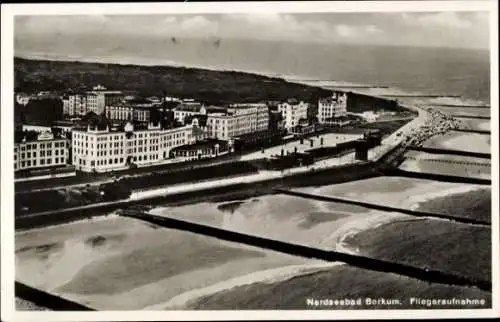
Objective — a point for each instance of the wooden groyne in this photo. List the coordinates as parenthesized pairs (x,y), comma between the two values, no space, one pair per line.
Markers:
(462,106)
(422,95)
(423,274)
(47,300)
(450,152)
(465,116)
(473,131)
(385,208)
(434,176)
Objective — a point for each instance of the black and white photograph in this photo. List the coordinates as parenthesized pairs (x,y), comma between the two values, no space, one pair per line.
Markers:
(258,160)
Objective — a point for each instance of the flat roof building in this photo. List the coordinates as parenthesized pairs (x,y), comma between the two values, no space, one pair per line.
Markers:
(46,151)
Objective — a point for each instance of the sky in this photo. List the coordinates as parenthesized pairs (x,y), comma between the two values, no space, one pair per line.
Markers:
(437,29)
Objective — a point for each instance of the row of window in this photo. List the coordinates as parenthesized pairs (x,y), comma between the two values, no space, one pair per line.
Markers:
(43,153)
(50,161)
(94,163)
(47,145)
(84,137)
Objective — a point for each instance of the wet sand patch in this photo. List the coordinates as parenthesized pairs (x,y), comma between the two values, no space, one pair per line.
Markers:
(315,218)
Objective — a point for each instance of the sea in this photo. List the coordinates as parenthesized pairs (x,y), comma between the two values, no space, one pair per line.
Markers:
(118,263)
(444,71)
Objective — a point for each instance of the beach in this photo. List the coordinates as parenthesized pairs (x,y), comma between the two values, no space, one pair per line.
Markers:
(453,165)
(472,142)
(116,263)
(96,261)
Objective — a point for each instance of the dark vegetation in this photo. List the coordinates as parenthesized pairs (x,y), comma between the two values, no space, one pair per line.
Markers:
(43,111)
(358,103)
(213,87)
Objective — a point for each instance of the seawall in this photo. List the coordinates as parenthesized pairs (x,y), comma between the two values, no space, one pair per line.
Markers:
(47,300)
(473,131)
(436,177)
(385,208)
(451,152)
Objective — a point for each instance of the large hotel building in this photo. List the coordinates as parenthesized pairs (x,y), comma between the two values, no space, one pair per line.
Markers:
(293,112)
(101,149)
(91,101)
(239,119)
(44,152)
(332,107)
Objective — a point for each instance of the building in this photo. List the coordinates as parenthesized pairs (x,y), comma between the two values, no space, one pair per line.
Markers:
(127,112)
(66,107)
(332,107)
(44,152)
(75,104)
(199,123)
(239,119)
(172,99)
(23,98)
(100,97)
(338,120)
(188,109)
(154,100)
(92,103)
(201,150)
(63,126)
(99,148)
(261,111)
(276,121)
(292,112)
(369,116)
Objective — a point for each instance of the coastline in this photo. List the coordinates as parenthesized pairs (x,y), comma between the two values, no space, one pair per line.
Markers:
(268,276)
(351,229)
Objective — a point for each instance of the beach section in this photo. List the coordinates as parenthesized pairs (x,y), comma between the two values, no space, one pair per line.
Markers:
(95,262)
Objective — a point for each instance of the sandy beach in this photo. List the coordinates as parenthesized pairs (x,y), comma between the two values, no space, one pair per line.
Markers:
(472,142)
(447,164)
(118,251)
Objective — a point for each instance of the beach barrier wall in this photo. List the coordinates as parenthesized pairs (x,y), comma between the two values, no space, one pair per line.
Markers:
(384,208)
(47,300)
(465,116)
(487,166)
(463,106)
(424,274)
(451,152)
(472,131)
(434,176)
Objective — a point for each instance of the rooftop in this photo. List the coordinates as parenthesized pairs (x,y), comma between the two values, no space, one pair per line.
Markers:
(209,143)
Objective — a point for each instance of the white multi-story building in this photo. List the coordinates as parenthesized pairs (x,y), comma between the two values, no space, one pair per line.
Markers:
(67,107)
(104,149)
(238,120)
(100,97)
(332,107)
(124,112)
(292,112)
(45,152)
(92,105)
(260,110)
(75,104)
